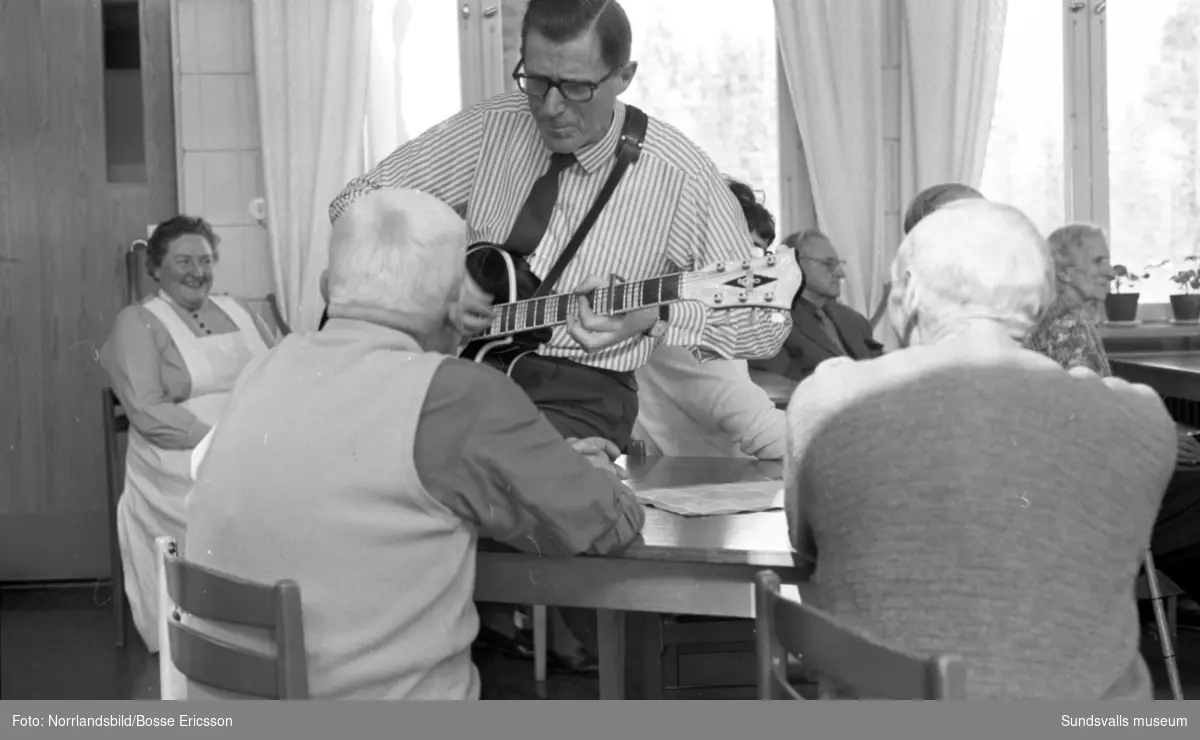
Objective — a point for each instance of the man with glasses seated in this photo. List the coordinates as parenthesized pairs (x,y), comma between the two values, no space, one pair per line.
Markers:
(822,327)
(525,167)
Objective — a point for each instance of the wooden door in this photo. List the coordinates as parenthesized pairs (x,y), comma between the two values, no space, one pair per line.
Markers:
(70,204)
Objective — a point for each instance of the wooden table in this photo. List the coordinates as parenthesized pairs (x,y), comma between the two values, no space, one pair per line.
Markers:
(778,387)
(680,565)
(1172,374)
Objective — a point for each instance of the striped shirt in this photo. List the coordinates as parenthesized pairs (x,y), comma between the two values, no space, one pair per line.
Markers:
(671,211)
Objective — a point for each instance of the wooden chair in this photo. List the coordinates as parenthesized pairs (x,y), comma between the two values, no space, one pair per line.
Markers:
(136,277)
(835,652)
(187,588)
(277,315)
(115,423)
(1164,618)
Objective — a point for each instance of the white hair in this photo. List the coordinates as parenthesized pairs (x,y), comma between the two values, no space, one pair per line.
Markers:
(397,250)
(1065,242)
(974,259)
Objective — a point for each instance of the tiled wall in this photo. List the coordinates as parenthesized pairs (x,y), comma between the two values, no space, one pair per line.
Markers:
(220,157)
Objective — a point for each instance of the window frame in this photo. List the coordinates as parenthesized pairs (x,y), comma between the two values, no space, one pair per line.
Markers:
(1085,120)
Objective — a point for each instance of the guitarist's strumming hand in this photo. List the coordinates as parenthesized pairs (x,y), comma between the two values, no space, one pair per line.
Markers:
(595,332)
(472,313)
(600,452)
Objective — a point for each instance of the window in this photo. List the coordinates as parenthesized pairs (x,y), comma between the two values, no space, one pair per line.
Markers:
(1025,166)
(1153,88)
(430,42)
(1119,143)
(713,80)
(408,36)
(124,126)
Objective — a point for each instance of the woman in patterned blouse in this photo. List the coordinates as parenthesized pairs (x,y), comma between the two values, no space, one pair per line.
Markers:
(1067,333)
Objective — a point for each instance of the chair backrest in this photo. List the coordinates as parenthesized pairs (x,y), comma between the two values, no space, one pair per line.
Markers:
(217,597)
(136,276)
(277,315)
(836,653)
(115,422)
(1145,588)
(114,412)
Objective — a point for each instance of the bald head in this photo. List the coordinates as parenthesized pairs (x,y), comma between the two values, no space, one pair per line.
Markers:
(932,198)
(972,259)
(396,251)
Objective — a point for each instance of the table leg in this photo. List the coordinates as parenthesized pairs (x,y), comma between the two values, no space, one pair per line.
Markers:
(610,641)
(539,643)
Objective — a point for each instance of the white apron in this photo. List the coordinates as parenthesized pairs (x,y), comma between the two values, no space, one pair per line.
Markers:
(157,480)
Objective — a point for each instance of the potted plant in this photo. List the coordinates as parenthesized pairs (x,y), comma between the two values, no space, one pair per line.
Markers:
(1186,305)
(1119,306)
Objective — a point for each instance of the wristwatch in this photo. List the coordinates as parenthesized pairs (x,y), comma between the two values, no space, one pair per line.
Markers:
(659,327)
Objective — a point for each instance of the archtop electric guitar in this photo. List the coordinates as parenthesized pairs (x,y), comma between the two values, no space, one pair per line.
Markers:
(522,322)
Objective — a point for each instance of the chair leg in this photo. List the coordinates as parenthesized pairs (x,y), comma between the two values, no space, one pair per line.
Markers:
(1173,617)
(539,643)
(117,579)
(1166,642)
(655,649)
(118,587)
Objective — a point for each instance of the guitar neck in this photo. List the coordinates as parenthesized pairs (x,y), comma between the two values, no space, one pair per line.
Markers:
(553,310)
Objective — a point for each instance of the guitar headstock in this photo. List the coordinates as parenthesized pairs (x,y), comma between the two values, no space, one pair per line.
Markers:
(770,281)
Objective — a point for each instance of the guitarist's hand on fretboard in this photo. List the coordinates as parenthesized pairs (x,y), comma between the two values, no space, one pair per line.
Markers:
(594,332)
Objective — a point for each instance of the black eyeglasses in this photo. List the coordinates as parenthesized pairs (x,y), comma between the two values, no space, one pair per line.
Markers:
(577,91)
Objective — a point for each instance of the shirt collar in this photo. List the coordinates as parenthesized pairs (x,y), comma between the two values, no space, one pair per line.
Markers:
(594,156)
(807,305)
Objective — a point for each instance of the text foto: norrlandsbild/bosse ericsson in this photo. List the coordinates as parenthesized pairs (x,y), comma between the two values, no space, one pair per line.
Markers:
(120,720)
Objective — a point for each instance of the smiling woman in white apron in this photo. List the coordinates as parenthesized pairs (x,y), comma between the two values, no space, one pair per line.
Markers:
(172,361)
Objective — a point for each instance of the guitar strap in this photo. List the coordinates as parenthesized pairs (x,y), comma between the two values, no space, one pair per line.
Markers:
(629,148)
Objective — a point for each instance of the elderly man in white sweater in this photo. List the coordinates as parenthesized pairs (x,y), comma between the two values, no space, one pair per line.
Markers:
(689,408)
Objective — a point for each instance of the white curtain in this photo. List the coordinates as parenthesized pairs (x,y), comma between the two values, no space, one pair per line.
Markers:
(311,65)
(833,58)
(385,129)
(949,72)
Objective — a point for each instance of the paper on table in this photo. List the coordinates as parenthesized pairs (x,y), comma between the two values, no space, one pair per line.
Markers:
(715,499)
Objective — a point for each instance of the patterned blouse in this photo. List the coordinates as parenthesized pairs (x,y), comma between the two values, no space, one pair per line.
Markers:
(1069,337)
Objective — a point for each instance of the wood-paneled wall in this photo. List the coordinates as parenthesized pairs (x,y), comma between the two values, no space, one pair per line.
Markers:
(63,232)
(220,155)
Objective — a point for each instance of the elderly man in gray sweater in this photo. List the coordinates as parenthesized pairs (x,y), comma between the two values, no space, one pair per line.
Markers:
(966,495)
(364,462)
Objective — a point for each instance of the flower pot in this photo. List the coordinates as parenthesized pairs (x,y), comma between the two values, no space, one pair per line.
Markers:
(1121,306)
(1186,307)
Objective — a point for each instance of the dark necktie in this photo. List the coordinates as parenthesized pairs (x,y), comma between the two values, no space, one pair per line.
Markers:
(534,217)
(831,330)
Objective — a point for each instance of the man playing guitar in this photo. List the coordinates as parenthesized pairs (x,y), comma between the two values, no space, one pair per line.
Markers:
(527,166)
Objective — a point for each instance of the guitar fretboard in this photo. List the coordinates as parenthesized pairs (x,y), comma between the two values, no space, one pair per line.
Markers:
(552,310)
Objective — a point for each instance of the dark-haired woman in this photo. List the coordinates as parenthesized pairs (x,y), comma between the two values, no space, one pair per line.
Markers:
(172,360)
